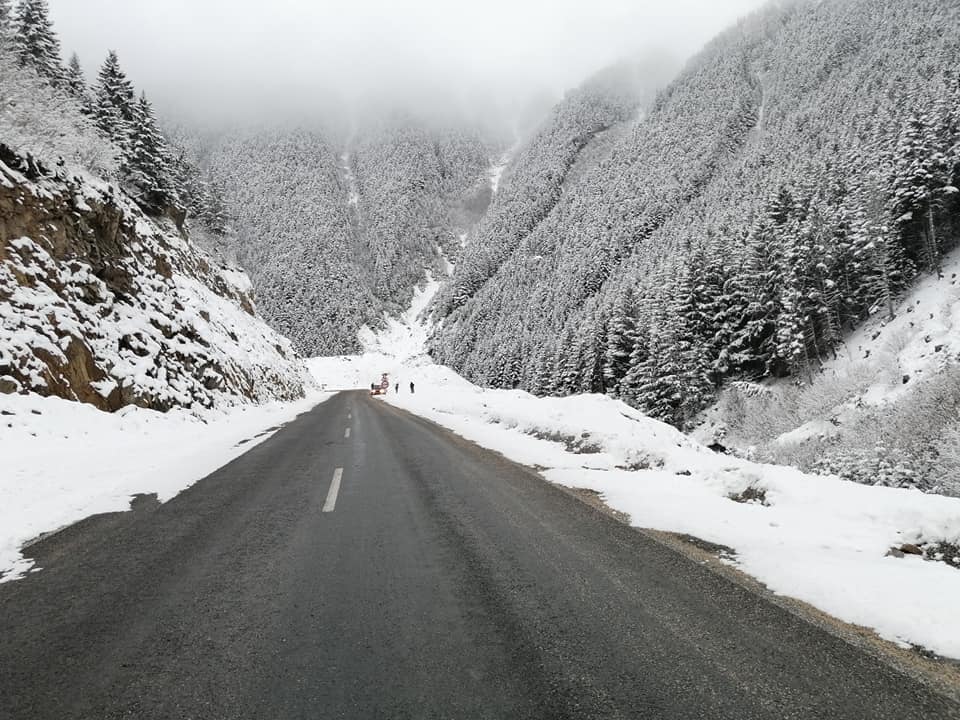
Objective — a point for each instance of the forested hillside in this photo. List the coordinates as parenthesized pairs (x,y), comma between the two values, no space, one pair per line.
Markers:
(572,134)
(335,232)
(795,177)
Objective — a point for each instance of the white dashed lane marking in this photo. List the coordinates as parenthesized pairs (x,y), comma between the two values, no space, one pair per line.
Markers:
(331,502)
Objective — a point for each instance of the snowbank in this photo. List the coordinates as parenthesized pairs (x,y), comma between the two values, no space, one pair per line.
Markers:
(64,461)
(819,539)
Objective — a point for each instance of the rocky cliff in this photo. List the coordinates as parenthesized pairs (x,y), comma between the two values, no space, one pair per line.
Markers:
(101,304)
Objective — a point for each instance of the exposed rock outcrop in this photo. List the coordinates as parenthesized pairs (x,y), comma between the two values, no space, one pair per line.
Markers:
(101,304)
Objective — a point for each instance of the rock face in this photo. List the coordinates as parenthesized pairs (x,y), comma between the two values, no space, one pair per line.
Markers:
(101,304)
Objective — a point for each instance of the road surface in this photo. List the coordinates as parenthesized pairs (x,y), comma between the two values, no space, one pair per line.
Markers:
(397,571)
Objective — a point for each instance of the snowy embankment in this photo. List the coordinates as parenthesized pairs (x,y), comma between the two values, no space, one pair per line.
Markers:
(831,543)
(64,461)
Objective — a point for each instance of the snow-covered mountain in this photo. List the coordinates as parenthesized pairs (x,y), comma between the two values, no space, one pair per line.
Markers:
(336,230)
(795,178)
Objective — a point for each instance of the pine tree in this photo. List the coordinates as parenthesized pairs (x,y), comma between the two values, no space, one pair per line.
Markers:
(754,306)
(76,85)
(876,256)
(148,160)
(114,103)
(635,377)
(621,338)
(36,43)
(660,394)
(693,314)
(595,338)
(543,374)
(6,22)
(922,175)
(566,374)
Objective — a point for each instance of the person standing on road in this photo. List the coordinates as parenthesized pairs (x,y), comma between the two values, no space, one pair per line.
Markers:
(411,388)
(396,388)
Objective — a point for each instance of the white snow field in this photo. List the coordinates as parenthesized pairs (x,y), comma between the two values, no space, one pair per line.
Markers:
(819,539)
(64,461)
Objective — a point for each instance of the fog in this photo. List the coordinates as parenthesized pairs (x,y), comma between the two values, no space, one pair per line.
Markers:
(253,59)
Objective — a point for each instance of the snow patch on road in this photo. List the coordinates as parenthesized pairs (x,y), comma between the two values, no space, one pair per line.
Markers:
(64,461)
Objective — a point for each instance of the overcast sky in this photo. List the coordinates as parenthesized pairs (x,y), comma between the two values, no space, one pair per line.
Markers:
(223,57)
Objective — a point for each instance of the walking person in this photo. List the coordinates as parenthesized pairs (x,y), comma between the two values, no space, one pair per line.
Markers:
(411,388)
(396,388)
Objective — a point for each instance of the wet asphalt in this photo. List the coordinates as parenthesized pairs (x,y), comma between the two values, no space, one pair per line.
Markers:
(443,582)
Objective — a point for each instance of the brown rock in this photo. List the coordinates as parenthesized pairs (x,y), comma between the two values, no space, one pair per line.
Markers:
(910,549)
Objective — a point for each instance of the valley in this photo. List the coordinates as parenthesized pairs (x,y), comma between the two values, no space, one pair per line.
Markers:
(476,377)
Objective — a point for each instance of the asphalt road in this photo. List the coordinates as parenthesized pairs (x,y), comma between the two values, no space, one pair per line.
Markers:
(438,581)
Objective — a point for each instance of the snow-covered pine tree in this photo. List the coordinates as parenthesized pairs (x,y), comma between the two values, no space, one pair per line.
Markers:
(694,313)
(6,22)
(660,393)
(922,174)
(36,43)
(149,160)
(594,351)
(630,385)
(76,84)
(114,103)
(543,374)
(566,370)
(877,262)
(621,338)
(752,343)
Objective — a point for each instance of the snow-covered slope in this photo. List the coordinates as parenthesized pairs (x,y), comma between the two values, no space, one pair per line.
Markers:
(396,348)
(101,304)
(798,171)
(885,410)
(335,231)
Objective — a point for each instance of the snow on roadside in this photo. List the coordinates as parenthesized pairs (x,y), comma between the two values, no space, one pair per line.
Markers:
(818,539)
(64,461)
